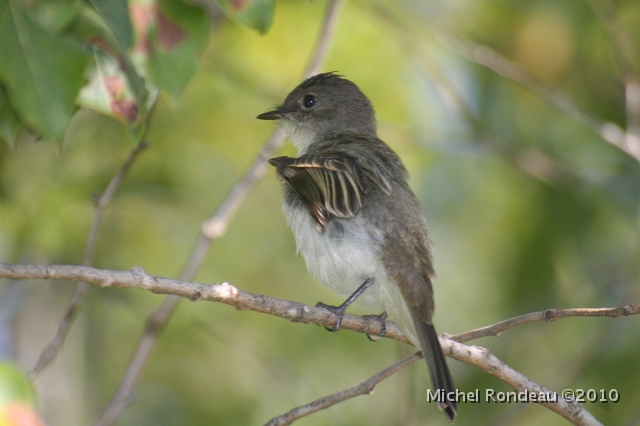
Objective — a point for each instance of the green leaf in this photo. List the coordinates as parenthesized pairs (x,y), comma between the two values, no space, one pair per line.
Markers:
(177,40)
(115,13)
(41,72)
(171,70)
(9,121)
(256,14)
(53,15)
(14,386)
(193,19)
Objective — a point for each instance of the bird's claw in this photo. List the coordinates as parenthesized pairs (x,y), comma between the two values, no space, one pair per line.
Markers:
(383,327)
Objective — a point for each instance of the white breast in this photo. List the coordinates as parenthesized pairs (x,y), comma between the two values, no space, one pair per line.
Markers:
(343,261)
(340,260)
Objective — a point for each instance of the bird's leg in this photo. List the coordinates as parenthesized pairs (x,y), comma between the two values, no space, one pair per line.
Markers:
(339,310)
(383,327)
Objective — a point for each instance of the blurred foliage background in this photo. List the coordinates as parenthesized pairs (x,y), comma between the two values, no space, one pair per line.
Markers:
(529,208)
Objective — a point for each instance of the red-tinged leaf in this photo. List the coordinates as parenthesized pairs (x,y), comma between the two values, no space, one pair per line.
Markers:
(114,85)
(125,109)
(142,19)
(169,33)
(238,5)
(256,14)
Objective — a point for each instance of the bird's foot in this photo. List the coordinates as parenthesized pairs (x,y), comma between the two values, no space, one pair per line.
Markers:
(383,327)
(338,311)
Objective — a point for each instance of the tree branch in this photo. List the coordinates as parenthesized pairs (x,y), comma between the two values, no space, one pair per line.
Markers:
(298,312)
(489,363)
(54,346)
(213,228)
(548,315)
(365,388)
(223,293)
(293,311)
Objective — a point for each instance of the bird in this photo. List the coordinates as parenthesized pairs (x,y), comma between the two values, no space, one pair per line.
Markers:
(356,222)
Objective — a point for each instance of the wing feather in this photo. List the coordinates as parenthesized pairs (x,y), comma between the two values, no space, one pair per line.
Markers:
(328,185)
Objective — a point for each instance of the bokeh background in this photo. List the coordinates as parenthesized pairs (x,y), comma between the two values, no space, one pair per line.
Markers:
(528,208)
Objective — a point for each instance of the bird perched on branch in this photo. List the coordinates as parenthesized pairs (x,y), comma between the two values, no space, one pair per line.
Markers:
(355,220)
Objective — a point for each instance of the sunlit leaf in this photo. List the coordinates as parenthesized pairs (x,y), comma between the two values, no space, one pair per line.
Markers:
(94,27)
(108,93)
(54,15)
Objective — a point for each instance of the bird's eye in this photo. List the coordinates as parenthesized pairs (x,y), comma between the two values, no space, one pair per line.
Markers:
(309,101)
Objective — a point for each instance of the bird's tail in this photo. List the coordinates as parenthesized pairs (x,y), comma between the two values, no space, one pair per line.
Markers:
(437,365)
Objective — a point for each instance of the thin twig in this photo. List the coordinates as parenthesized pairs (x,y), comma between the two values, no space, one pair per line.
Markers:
(548,315)
(52,349)
(212,229)
(364,388)
(490,59)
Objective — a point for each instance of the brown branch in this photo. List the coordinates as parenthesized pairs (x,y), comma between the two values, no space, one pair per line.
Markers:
(212,229)
(489,363)
(54,346)
(548,315)
(298,312)
(364,388)
(292,311)
(222,293)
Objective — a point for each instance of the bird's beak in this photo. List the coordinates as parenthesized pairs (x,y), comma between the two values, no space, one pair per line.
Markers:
(276,114)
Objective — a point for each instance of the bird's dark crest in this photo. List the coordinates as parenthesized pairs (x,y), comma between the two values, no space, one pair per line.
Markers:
(320,79)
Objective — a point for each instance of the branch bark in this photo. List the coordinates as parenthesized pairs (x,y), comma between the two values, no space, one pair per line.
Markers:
(293,311)
(365,388)
(548,315)
(298,312)
(222,293)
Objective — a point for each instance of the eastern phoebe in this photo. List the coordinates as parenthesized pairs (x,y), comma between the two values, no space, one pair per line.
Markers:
(357,223)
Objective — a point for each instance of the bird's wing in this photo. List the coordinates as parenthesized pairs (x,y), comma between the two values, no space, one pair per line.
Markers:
(329,185)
